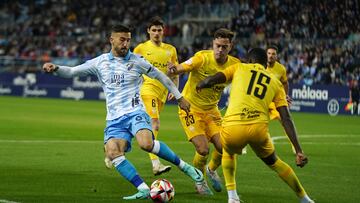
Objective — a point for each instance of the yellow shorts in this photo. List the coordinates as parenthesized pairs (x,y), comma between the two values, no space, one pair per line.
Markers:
(153,105)
(273,113)
(235,137)
(201,123)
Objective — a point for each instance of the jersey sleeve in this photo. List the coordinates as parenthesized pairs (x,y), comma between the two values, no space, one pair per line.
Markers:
(229,72)
(280,98)
(144,67)
(149,70)
(87,68)
(194,62)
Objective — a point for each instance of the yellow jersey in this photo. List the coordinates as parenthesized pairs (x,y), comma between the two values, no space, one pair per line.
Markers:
(158,56)
(252,90)
(200,66)
(279,71)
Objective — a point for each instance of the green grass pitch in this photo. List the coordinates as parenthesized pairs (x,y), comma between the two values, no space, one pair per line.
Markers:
(51,151)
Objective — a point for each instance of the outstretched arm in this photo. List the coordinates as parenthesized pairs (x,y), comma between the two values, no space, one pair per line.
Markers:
(174,69)
(289,126)
(210,81)
(68,72)
(183,103)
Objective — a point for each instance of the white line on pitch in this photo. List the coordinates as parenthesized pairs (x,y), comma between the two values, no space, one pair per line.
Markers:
(52,141)
(274,138)
(7,201)
(68,142)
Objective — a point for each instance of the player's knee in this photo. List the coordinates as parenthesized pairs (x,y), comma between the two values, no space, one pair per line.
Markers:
(203,151)
(146,146)
(115,149)
(144,139)
(270,160)
(112,154)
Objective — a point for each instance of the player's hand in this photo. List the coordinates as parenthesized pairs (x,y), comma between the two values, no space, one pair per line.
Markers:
(50,67)
(184,105)
(289,100)
(170,97)
(301,159)
(200,86)
(171,69)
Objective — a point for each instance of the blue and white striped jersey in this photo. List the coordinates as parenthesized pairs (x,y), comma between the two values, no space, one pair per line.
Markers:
(121,79)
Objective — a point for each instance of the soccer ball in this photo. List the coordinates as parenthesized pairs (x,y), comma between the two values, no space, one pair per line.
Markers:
(162,191)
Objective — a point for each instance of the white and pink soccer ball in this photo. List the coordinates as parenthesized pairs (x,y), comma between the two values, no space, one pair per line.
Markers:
(162,191)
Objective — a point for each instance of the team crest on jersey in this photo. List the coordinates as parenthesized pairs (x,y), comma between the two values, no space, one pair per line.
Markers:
(129,66)
(188,62)
(168,53)
(117,79)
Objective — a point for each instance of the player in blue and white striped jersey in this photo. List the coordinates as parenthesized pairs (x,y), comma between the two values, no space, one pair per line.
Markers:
(120,74)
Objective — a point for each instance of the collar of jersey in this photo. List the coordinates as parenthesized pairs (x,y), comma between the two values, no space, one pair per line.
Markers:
(127,56)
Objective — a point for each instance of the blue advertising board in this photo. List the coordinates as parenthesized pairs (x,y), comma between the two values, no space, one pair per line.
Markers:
(330,99)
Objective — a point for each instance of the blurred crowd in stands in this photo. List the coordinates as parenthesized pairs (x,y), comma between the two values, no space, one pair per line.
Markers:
(319,41)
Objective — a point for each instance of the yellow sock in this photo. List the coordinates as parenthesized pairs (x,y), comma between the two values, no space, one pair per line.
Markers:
(199,161)
(229,169)
(287,174)
(215,160)
(153,156)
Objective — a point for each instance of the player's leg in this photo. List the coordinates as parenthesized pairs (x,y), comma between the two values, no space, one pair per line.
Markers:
(140,126)
(153,107)
(213,127)
(158,167)
(229,170)
(264,149)
(214,163)
(194,126)
(194,129)
(159,148)
(115,150)
(201,145)
(232,144)
(287,174)
(107,161)
(213,120)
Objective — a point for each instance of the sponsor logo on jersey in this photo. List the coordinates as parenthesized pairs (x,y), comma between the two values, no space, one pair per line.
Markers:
(117,79)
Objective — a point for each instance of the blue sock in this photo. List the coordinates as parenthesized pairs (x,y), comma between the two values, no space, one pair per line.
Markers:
(164,152)
(127,170)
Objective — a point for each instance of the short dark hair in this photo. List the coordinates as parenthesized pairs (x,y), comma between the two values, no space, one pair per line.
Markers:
(121,28)
(257,55)
(224,33)
(273,46)
(156,20)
